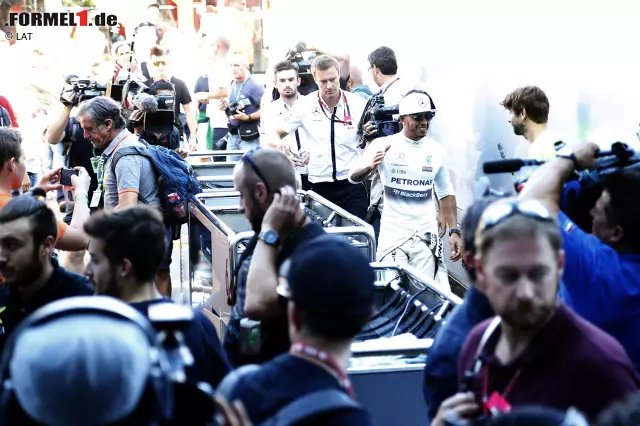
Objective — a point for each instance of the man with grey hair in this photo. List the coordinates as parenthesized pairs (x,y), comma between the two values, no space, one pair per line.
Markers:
(104,126)
(328,118)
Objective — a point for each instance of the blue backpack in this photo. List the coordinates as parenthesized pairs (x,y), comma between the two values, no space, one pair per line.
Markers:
(176,179)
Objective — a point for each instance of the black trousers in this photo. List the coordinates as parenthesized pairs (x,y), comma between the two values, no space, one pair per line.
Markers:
(351,197)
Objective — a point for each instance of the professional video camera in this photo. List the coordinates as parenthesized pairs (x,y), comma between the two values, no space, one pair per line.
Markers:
(159,110)
(307,84)
(583,190)
(84,88)
(384,119)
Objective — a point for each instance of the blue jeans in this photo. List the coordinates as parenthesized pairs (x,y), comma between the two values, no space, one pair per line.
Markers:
(234,143)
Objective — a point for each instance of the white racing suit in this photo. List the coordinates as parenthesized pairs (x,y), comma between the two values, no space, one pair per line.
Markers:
(422,251)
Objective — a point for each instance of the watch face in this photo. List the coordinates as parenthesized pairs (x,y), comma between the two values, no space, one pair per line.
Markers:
(270,237)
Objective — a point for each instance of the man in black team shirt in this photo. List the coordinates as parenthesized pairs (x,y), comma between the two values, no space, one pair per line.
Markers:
(126,249)
(329,288)
(265,179)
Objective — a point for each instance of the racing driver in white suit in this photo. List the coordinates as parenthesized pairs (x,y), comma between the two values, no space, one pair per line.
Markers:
(411,165)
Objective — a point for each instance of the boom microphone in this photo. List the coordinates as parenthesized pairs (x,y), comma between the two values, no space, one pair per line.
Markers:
(508,166)
(146,103)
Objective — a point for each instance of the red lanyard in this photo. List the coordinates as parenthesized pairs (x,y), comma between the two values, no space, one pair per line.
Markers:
(327,360)
(347,112)
(485,388)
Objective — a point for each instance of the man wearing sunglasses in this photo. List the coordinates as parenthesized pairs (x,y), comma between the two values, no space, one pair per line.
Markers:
(265,179)
(536,351)
(602,275)
(411,165)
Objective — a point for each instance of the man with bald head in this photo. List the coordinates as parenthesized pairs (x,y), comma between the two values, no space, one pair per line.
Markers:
(356,84)
(266,180)
(243,107)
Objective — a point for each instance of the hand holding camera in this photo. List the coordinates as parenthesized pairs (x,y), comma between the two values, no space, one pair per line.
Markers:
(301,159)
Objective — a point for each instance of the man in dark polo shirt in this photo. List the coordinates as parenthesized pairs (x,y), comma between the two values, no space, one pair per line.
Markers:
(536,351)
(126,249)
(328,286)
(31,277)
(266,180)
(441,370)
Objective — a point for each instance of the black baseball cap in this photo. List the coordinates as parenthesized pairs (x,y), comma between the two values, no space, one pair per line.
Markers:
(332,282)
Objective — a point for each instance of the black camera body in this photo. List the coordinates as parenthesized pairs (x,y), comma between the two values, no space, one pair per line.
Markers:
(237,107)
(307,84)
(85,89)
(382,117)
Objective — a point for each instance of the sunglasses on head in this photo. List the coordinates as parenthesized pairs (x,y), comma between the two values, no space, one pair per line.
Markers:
(501,211)
(247,156)
(158,63)
(423,116)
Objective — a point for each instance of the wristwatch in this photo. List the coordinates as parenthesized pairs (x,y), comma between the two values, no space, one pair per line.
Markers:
(270,237)
(454,231)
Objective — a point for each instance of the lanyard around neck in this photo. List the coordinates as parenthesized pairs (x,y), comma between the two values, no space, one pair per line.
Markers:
(323,358)
(237,92)
(346,113)
(383,91)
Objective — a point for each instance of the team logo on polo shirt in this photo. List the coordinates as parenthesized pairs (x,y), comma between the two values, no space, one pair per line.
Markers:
(400,156)
(428,159)
(315,111)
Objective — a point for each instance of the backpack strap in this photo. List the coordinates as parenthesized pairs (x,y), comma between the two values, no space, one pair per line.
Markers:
(312,405)
(230,381)
(129,150)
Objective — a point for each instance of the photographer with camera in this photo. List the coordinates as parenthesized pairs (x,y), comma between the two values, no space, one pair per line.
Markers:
(602,268)
(536,350)
(412,166)
(328,118)
(127,247)
(79,151)
(160,61)
(286,82)
(160,97)
(243,107)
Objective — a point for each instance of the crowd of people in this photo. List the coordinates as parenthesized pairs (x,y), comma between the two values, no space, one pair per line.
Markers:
(547,333)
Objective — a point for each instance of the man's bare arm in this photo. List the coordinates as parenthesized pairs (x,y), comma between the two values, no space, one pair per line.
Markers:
(262,280)
(55,132)
(546,183)
(449,208)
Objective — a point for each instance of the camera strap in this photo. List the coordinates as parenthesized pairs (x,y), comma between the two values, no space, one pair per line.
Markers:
(234,87)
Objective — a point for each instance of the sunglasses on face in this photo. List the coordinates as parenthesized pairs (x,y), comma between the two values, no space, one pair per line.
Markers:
(158,63)
(423,116)
(501,211)
(256,170)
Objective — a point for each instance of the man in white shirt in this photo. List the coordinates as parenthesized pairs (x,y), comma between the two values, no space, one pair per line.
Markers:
(528,114)
(328,118)
(286,82)
(409,164)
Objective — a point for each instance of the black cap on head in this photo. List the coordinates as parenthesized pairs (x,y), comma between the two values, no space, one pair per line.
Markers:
(333,284)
